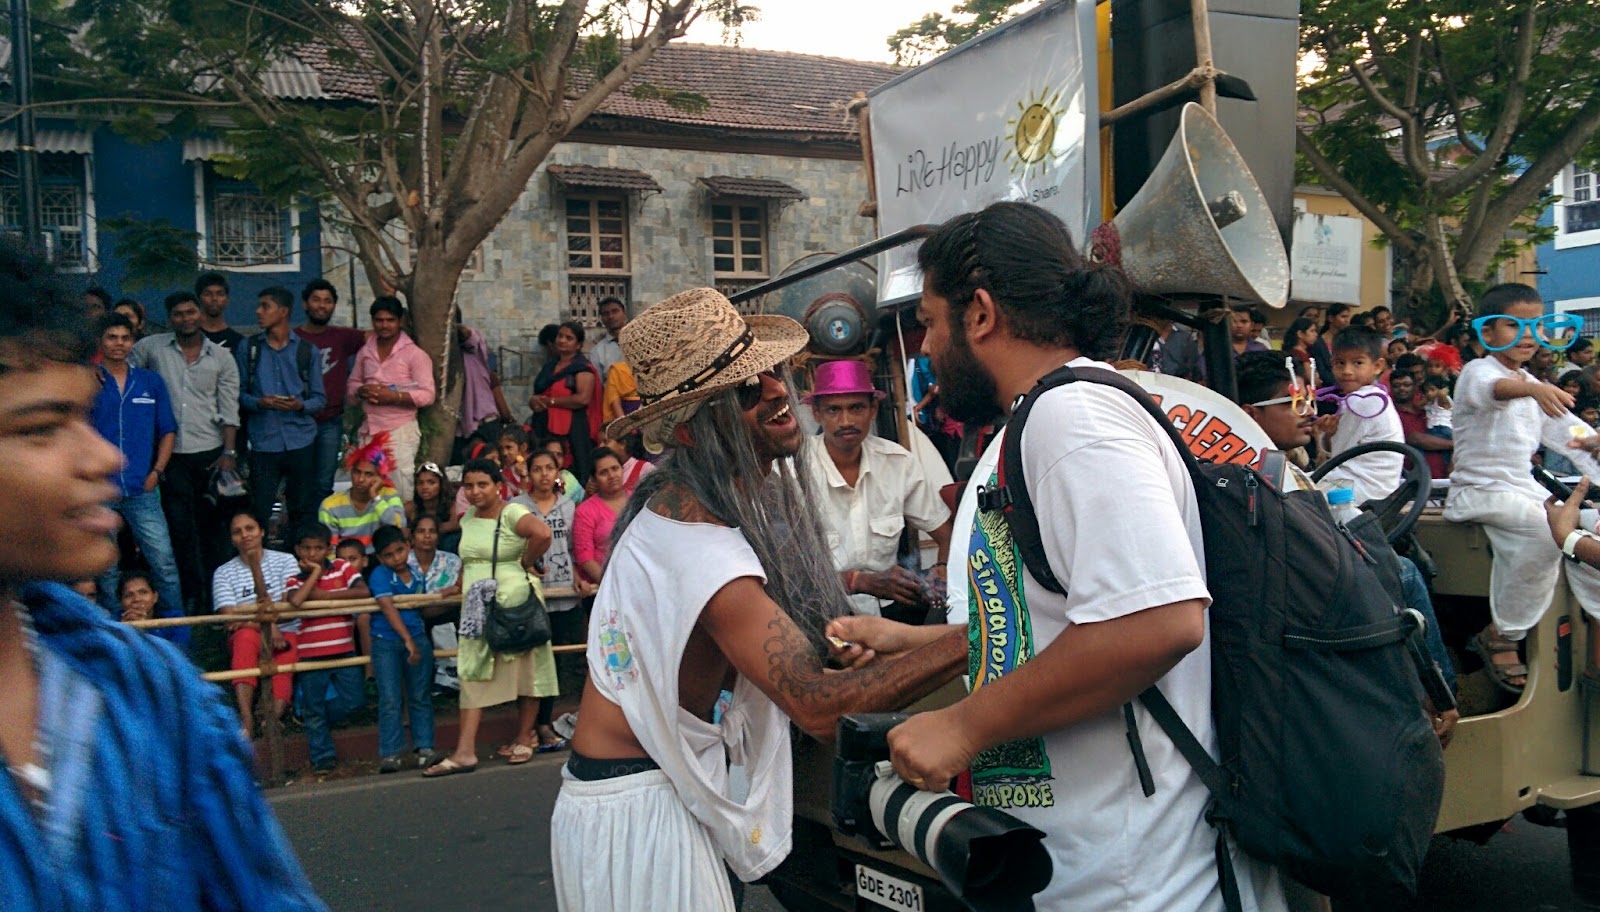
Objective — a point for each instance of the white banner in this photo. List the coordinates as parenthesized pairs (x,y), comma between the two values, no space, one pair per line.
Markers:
(1010,115)
(1325,264)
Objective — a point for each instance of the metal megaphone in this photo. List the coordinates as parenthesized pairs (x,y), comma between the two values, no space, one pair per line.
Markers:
(1199,225)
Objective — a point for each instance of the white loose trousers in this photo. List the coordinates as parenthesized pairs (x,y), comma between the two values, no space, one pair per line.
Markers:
(1527,563)
(629,844)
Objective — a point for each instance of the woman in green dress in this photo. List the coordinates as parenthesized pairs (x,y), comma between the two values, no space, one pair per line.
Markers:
(490,679)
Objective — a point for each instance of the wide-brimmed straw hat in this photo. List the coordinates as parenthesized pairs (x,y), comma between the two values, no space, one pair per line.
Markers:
(693,345)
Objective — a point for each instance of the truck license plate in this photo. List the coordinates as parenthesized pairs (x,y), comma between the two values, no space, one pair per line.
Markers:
(886,891)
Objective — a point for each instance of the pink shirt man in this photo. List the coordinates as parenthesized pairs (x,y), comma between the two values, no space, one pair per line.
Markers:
(407,369)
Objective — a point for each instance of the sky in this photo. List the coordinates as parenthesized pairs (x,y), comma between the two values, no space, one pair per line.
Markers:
(837,28)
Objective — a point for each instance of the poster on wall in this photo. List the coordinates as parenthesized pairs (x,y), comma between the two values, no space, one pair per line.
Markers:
(1010,115)
(1325,263)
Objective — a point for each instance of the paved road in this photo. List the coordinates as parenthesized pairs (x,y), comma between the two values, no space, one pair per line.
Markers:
(481,841)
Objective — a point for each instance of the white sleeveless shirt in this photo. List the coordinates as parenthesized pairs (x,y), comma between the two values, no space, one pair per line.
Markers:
(657,582)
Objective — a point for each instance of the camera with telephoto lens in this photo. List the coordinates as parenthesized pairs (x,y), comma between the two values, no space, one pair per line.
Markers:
(989,859)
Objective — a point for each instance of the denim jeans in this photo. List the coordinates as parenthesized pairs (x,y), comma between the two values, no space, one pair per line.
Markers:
(142,512)
(330,435)
(1415,590)
(398,680)
(323,699)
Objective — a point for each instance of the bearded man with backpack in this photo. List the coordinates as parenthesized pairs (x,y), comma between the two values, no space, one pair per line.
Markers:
(1046,732)
(1183,675)
(280,394)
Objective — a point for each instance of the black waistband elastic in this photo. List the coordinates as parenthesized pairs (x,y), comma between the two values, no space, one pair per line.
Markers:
(588,769)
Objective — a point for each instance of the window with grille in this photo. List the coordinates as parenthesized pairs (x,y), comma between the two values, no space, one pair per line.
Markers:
(62,195)
(1583,201)
(243,226)
(597,234)
(739,240)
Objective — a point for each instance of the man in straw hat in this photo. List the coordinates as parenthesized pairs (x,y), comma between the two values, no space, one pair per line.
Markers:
(869,490)
(720,579)
(1006,299)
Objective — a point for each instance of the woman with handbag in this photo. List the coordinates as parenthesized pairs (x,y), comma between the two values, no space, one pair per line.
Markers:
(501,544)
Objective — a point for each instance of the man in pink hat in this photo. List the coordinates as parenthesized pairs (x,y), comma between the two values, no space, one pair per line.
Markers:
(868,490)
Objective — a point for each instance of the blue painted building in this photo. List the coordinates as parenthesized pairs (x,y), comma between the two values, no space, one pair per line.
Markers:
(91,176)
(1571,262)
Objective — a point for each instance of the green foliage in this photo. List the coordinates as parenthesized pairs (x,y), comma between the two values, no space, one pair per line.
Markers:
(1443,75)
(157,253)
(936,32)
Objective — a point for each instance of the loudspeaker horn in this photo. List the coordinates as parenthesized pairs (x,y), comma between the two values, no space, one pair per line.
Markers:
(1199,225)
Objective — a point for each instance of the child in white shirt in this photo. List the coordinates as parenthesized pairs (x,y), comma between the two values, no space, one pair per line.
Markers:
(1502,415)
(1366,415)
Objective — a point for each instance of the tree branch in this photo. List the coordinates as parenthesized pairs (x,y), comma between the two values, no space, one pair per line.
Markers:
(1523,192)
(1337,182)
(1510,118)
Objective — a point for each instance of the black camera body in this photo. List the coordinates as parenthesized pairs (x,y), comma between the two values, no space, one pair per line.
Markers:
(863,742)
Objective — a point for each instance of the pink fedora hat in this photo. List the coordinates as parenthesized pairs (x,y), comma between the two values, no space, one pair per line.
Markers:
(842,378)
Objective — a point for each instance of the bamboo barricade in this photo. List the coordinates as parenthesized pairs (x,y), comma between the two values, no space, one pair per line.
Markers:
(268,614)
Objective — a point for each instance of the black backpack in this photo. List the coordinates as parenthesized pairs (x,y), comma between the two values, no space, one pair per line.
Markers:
(1329,768)
(302,363)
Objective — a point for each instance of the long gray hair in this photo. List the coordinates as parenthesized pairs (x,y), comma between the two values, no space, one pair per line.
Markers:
(776,512)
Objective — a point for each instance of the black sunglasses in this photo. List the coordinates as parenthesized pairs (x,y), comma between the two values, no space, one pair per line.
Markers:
(749,392)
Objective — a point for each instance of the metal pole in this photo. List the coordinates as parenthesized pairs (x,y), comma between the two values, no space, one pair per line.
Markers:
(27,153)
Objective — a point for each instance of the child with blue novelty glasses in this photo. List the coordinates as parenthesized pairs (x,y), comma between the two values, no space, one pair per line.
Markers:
(1502,415)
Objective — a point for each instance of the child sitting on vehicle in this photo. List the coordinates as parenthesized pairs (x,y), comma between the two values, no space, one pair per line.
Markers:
(1502,414)
(1366,414)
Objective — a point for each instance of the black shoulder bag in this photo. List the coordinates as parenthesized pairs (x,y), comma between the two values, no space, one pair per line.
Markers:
(511,629)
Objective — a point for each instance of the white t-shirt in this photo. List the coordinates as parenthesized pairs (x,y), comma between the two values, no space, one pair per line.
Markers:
(1118,548)
(864,523)
(658,580)
(1375,475)
(233,583)
(1495,439)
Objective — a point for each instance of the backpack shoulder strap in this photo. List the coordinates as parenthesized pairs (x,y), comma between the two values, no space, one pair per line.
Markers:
(1013,498)
(252,361)
(302,359)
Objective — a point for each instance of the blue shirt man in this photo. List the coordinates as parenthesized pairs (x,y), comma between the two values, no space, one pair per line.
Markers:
(134,412)
(280,393)
(125,785)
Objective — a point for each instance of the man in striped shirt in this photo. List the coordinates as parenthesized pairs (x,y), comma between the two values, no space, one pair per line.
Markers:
(323,697)
(359,511)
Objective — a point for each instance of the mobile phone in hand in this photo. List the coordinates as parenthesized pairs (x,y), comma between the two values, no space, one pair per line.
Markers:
(1561,489)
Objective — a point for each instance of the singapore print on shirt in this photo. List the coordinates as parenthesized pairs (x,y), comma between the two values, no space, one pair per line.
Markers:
(999,640)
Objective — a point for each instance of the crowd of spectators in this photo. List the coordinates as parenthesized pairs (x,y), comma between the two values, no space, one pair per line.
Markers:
(299,446)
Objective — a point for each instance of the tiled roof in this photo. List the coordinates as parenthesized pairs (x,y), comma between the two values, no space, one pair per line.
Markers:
(757,187)
(750,89)
(744,89)
(596,178)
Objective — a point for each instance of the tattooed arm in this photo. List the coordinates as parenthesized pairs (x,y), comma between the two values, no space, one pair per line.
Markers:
(769,649)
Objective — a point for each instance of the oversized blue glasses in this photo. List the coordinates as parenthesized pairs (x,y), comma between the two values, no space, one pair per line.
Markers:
(1556,331)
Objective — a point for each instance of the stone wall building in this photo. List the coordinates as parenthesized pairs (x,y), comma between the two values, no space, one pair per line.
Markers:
(645,200)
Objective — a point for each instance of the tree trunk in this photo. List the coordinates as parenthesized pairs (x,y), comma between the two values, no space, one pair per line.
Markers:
(433,296)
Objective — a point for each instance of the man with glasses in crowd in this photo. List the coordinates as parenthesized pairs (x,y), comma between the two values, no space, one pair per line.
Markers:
(868,490)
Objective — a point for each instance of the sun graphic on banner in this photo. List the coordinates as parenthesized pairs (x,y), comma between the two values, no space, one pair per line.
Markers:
(1033,132)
